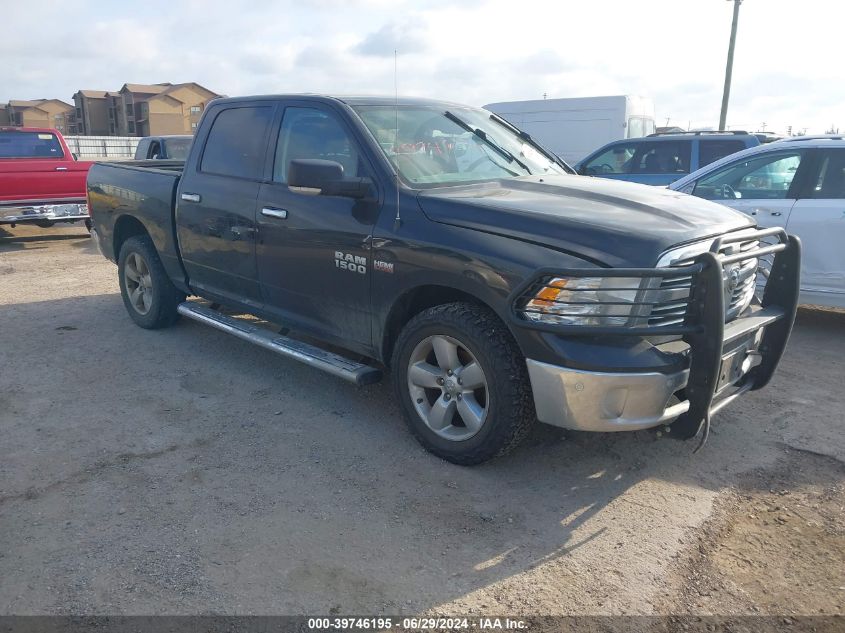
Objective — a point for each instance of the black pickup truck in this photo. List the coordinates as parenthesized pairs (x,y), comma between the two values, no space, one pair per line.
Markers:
(438,242)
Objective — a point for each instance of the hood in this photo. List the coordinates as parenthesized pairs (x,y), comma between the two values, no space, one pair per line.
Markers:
(612,223)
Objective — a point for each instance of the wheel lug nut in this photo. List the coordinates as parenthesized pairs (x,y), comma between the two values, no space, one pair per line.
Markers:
(439,381)
(460,396)
(449,372)
(447,397)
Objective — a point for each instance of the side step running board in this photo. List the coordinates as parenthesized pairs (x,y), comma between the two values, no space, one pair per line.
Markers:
(337,365)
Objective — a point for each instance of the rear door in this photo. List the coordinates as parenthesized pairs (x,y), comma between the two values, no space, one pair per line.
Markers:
(215,212)
(818,219)
(314,251)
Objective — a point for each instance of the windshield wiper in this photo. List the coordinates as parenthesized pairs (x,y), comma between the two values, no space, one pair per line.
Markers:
(525,136)
(479,133)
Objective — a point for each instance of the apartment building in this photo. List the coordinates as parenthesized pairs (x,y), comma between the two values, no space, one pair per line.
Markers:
(153,109)
(134,110)
(40,113)
(92,112)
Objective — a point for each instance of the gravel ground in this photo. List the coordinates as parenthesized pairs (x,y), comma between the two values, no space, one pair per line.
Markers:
(186,472)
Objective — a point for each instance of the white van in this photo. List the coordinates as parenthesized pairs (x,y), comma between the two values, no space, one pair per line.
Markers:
(572,128)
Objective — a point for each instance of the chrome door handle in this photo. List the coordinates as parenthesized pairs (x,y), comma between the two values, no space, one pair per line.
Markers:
(191,197)
(61,168)
(777,213)
(270,212)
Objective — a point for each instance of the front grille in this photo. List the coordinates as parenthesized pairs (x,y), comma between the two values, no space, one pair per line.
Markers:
(742,279)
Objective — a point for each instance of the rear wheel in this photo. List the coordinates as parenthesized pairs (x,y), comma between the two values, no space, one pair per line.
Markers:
(150,297)
(462,383)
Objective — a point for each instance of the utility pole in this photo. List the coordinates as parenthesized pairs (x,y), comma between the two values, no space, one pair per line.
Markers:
(729,69)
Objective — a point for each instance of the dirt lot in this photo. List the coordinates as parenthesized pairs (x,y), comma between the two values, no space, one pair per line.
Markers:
(183,471)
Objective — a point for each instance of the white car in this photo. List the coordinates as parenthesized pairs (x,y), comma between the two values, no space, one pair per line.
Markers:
(799,184)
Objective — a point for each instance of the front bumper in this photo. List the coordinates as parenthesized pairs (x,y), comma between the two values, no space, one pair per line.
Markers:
(604,401)
(722,362)
(46,213)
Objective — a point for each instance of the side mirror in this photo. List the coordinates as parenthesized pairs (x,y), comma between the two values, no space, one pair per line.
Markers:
(75,157)
(325,177)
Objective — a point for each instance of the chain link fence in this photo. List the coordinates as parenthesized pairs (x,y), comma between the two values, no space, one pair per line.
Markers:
(103,147)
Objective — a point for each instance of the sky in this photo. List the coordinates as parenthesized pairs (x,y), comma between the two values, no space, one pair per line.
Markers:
(788,69)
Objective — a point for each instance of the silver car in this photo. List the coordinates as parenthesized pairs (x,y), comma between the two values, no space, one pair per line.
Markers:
(796,183)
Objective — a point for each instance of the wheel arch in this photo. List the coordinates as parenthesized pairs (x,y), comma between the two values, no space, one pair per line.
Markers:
(417,299)
(125,227)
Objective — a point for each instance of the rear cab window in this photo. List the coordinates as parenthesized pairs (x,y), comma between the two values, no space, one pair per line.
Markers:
(30,145)
(237,142)
(177,148)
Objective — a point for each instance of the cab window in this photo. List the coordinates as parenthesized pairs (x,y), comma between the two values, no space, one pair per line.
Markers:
(614,160)
(314,133)
(762,178)
(665,157)
(237,142)
(711,151)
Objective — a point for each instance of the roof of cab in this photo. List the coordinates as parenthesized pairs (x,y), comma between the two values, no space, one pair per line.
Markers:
(40,130)
(351,100)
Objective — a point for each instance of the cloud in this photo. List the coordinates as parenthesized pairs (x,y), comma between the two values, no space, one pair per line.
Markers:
(476,52)
(403,38)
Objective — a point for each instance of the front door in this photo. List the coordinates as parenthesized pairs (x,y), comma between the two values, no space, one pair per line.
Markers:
(764,186)
(216,205)
(314,251)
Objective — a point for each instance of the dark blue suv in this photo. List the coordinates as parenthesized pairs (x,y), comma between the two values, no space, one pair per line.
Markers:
(662,158)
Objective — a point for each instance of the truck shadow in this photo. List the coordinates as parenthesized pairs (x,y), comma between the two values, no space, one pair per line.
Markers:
(31,237)
(287,491)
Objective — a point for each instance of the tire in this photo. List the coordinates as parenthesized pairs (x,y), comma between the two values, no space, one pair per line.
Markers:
(496,401)
(148,294)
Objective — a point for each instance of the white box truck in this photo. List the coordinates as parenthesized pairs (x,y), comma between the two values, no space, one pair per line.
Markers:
(572,128)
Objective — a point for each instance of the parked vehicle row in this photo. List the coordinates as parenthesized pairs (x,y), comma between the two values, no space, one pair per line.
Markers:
(797,184)
(41,182)
(439,243)
(660,159)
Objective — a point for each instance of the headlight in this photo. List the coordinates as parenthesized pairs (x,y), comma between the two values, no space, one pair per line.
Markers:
(602,301)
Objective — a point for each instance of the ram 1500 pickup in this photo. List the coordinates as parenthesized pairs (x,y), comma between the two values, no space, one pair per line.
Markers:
(41,182)
(439,243)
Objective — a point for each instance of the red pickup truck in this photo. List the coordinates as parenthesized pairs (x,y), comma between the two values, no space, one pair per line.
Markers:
(41,182)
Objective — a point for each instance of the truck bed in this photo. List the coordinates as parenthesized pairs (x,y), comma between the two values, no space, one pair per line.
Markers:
(123,194)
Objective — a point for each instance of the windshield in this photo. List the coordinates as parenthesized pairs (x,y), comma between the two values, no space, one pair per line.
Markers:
(177,148)
(435,147)
(29,145)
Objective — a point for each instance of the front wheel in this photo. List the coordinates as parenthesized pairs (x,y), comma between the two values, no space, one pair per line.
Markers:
(150,297)
(462,383)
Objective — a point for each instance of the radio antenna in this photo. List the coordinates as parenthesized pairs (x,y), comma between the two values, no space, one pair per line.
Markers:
(397,221)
